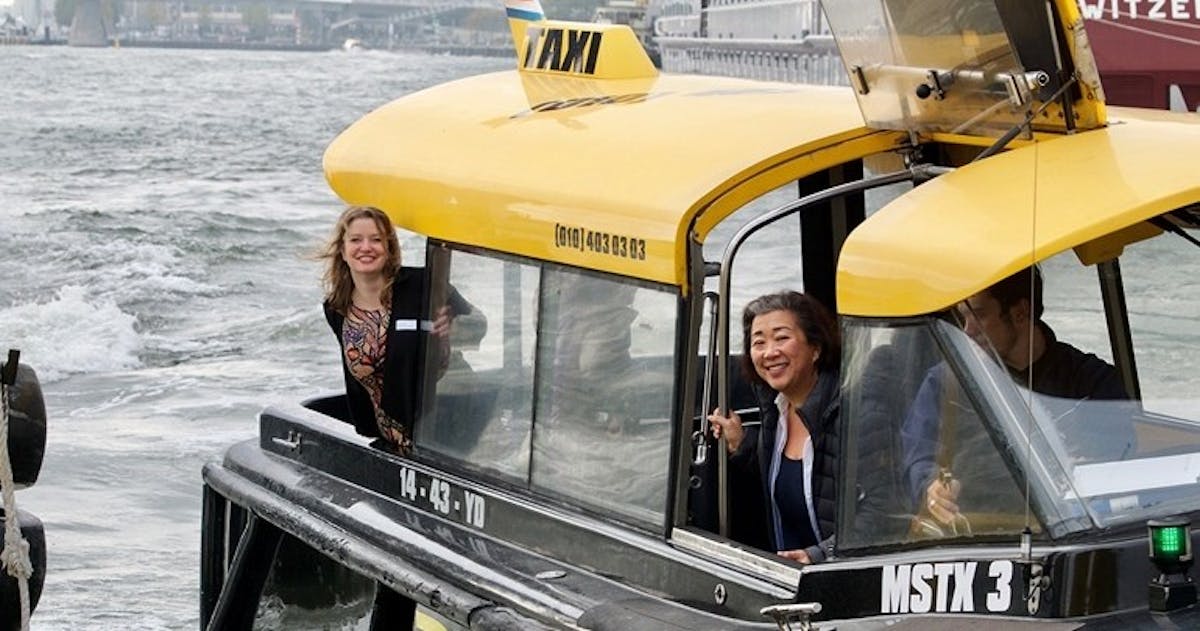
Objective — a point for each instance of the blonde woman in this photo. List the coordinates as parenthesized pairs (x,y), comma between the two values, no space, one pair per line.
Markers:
(374,307)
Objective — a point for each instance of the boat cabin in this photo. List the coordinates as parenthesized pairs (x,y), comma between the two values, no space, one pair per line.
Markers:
(607,225)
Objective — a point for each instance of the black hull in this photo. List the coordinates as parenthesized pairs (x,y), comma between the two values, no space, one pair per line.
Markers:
(532,566)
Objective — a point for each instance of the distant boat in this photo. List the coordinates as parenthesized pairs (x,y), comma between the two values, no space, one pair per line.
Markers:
(1166,64)
(789,40)
(352,45)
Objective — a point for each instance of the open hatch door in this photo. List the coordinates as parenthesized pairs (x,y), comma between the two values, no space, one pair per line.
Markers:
(969,67)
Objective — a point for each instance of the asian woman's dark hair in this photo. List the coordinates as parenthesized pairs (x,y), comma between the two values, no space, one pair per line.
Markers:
(818,324)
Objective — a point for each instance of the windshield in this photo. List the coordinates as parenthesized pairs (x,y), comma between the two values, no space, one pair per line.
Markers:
(933,414)
(930,66)
(916,428)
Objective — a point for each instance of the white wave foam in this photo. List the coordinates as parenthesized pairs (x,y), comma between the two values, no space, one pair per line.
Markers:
(71,334)
(139,271)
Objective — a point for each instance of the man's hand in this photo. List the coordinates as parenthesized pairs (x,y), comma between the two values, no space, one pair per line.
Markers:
(730,426)
(441,337)
(441,324)
(799,556)
(941,499)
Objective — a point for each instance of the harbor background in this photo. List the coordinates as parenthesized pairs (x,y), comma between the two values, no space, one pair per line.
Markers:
(475,27)
(158,213)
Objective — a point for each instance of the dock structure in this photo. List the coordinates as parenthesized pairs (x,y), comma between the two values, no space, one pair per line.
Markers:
(290,24)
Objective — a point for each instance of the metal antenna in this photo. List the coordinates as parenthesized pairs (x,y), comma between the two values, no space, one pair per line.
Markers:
(1026,534)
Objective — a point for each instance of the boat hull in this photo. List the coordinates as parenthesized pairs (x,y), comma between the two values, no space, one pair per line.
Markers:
(309,480)
(520,567)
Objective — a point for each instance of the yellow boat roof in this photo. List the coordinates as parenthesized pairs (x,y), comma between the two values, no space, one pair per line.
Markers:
(954,236)
(534,165)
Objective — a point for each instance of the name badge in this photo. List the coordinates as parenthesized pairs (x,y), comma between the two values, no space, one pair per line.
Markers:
(412,325)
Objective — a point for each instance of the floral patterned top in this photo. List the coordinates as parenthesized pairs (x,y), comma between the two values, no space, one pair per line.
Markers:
(364,337)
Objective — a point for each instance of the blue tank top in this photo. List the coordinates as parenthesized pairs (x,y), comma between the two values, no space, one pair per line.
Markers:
(797,529)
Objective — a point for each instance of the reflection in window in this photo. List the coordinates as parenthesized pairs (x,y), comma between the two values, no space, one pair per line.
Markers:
(604,390)
(480,412)
(560,381)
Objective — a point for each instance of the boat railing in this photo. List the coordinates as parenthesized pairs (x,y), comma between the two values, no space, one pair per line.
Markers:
(813,59)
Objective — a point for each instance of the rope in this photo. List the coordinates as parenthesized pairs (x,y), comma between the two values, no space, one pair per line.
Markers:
(15,556)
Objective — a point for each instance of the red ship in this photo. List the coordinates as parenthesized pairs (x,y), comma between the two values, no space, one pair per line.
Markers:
(1148,51)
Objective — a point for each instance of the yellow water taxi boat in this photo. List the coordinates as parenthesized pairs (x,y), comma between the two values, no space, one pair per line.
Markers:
(608,222)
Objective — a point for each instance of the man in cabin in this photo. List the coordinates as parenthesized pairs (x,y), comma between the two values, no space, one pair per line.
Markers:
(592,372)
(1006,318)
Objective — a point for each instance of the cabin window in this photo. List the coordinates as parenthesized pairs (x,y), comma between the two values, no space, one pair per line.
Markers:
(1163,298)
(790,252)
(555,379)
(480,408)
(1099,436)
(1074,310)
(605,374)
(913,421)
(769,261)
(1095,453)
(1084,400)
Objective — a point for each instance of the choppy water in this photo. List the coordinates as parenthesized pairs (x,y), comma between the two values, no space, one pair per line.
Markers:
(158,210)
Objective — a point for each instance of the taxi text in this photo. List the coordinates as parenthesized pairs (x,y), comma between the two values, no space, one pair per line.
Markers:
(566,50)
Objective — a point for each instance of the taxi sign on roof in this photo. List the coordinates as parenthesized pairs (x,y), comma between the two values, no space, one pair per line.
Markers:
(599,51)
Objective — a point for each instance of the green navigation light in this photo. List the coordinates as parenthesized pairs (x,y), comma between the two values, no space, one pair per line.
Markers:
(1170,540)
(1171,552)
